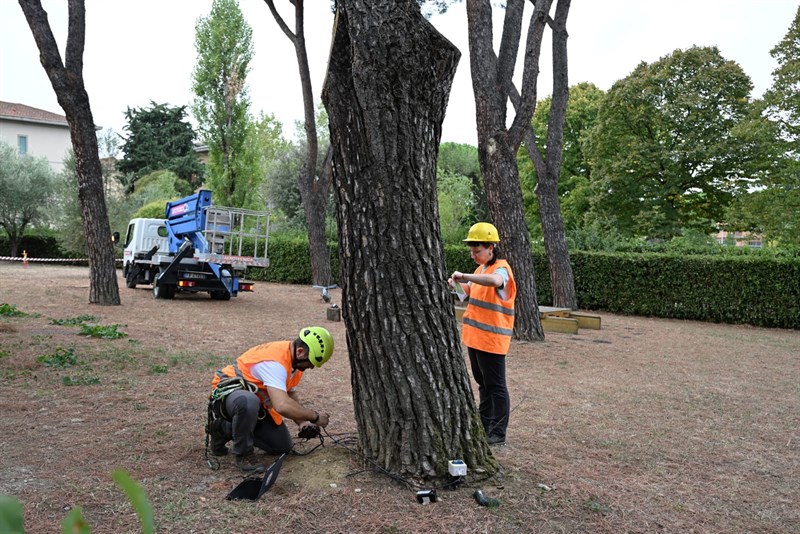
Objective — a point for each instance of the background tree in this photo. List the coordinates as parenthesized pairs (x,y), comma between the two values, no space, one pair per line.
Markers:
(769,210)
(548,168)
(462,159)
(386,91)
(783,97)
(456,205)
(224,45)
(267,144)
(67,81)
(574,189)
(158,138)
(27,186)
(665,151)
(313,185)
(108,149)
(498,144)
(281,187)
(153,190)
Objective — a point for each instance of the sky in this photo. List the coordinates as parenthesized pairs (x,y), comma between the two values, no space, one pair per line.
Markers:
(142,51)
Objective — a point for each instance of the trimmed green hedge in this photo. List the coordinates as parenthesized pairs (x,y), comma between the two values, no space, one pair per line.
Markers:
(289,262)
(761,291)
(756,290)
(750,289)
(37,246)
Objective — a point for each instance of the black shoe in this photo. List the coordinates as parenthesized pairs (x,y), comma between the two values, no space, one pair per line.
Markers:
(218,437)
(248,463)
(496,440)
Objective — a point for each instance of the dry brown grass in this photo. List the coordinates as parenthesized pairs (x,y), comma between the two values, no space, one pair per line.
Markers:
(647,425)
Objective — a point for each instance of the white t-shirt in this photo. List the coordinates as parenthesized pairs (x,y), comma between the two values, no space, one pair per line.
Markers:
(272,374)
(502,292)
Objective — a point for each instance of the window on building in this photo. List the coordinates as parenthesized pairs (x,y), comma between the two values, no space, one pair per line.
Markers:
(22,144)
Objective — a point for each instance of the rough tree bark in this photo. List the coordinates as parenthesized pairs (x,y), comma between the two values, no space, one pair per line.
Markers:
(548,169)
(498,145)
(313,188)
(388,81)
(67,81)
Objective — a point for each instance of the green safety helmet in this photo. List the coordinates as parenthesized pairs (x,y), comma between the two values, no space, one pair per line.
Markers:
(320,344)
(482,232)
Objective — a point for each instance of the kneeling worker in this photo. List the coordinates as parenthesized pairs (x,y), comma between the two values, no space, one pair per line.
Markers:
(250,397)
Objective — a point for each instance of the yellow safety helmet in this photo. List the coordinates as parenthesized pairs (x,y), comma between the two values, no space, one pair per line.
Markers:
(320,344)
(482,232)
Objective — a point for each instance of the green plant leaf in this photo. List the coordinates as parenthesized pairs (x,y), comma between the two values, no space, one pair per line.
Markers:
(11,519)
(138,498)
(74,523)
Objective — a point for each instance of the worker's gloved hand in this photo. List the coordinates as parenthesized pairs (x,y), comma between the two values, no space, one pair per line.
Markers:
(308,431)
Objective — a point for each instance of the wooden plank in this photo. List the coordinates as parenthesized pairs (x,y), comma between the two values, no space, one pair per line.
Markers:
(564,325)
(585,320)
(550,311)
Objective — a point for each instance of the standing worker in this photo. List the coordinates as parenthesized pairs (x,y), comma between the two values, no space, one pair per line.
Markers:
(250,397)
(488,326)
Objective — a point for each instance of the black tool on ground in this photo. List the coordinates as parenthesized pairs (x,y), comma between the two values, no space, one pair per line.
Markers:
(252,489)
(308,432)
(483,500)
(427,496)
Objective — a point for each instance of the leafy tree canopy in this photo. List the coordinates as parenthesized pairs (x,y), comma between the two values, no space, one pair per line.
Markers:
(27,186)
(772,211)
(282,162)
(158,138)
(456,205)
(573,185)
(783,97)
(462,160)
(224,44)
(664,151)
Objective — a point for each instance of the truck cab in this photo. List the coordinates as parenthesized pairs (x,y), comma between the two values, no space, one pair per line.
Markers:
(141,237)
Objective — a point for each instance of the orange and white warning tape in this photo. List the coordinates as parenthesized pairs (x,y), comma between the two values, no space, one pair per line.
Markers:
(28,259)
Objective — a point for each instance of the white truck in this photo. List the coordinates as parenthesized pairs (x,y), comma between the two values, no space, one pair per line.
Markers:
(197,247)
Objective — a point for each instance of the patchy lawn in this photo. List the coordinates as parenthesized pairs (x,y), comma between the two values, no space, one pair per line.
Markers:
(647,425)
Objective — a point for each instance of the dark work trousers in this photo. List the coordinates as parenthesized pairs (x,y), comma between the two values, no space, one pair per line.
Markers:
(489,371)
(247,430)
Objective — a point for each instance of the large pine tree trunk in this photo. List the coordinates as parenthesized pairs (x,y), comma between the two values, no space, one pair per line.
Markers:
(67,82)
(387,86)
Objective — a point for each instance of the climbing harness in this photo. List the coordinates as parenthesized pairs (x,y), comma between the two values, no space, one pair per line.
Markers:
(216,409)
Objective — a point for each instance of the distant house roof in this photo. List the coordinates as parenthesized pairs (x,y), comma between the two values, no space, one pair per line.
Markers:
(21,112)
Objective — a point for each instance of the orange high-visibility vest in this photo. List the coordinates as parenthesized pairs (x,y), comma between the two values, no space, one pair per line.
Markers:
(488,319)
(278,351)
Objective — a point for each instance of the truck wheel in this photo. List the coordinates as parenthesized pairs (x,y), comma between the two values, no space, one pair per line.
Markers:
(165,291)
(220,294)
(130,277)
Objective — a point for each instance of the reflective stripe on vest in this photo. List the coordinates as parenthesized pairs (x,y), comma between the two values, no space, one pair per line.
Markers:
(278,351)
(489,320)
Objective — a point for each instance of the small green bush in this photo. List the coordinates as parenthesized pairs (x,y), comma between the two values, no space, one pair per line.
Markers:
(60,358)
(74,321)
(103,332)
(9,310)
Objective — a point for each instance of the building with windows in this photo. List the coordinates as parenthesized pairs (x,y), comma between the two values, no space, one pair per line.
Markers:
(739,239)
(35,132)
